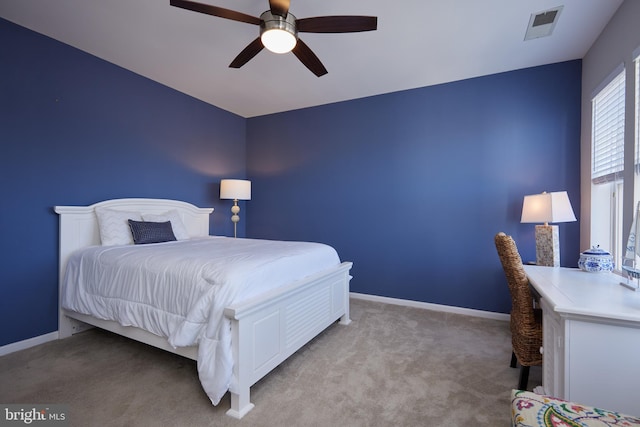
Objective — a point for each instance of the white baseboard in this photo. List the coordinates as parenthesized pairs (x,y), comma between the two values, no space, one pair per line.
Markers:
(431,306)
(31,342)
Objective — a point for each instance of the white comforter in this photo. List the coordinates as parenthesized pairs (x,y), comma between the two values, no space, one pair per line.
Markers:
(179,289)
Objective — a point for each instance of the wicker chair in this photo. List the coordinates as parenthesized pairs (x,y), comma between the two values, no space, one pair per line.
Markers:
(526,321)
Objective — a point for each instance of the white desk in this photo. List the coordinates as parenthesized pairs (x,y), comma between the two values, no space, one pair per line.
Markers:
(591,337)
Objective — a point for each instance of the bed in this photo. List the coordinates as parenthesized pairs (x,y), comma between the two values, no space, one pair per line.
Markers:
(264,327)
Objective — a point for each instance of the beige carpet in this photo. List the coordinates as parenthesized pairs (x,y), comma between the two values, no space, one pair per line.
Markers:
(393,366)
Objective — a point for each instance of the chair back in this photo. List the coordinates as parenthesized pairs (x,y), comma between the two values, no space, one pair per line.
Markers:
(522,314)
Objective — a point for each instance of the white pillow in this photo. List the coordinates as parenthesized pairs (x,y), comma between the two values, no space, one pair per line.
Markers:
(114,228)
(179,230)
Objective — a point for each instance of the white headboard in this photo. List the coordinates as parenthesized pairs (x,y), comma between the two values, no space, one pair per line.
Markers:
(79,224)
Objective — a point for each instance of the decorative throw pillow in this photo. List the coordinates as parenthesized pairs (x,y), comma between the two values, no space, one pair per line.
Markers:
(151,232)
(114,229)
(179,230)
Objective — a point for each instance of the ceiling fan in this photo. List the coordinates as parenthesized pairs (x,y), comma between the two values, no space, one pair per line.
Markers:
(279,30)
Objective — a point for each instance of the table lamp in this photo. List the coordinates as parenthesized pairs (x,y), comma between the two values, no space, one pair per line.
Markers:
(235,189)
(546,208)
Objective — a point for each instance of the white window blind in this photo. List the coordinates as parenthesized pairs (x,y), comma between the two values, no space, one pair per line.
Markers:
(608,131)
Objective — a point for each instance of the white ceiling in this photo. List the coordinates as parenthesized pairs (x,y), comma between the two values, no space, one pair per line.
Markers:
(418,43)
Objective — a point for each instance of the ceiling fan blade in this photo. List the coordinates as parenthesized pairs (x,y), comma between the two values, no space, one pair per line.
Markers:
(337,24)
(215,11)
(279,7)
(309,59)
(247,53)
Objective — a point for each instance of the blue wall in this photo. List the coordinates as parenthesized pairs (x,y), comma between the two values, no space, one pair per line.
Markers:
(412,186)
(75,130)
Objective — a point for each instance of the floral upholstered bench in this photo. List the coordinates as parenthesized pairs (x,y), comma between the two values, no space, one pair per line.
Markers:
(533,410)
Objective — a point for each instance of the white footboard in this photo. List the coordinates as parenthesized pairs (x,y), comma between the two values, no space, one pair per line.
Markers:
(266,331)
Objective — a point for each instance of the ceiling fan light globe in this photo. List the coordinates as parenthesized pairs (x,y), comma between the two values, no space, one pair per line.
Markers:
(278,41)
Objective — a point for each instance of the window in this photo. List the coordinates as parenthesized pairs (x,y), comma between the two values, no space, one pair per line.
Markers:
(636,175)
(607,165)
(637,65)
(636,186)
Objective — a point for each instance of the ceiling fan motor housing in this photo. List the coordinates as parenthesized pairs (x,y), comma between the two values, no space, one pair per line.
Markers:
(278,34)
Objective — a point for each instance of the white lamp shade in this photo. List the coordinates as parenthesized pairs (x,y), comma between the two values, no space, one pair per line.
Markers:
(235,189)
(547,207)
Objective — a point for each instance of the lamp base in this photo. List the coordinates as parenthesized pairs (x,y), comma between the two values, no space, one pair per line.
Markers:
(235,210)
(547,245)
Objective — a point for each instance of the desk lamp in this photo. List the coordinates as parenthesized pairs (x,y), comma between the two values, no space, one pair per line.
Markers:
(546,208)
(235,189)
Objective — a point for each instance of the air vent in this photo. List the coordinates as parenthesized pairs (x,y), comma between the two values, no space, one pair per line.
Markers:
(542,24)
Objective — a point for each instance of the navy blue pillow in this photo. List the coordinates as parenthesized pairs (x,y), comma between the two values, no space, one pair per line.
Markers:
(151,232)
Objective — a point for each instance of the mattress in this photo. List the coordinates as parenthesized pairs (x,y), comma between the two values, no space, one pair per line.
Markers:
(179,290)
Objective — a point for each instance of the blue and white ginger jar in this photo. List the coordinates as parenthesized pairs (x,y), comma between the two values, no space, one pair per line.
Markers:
(596,260)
